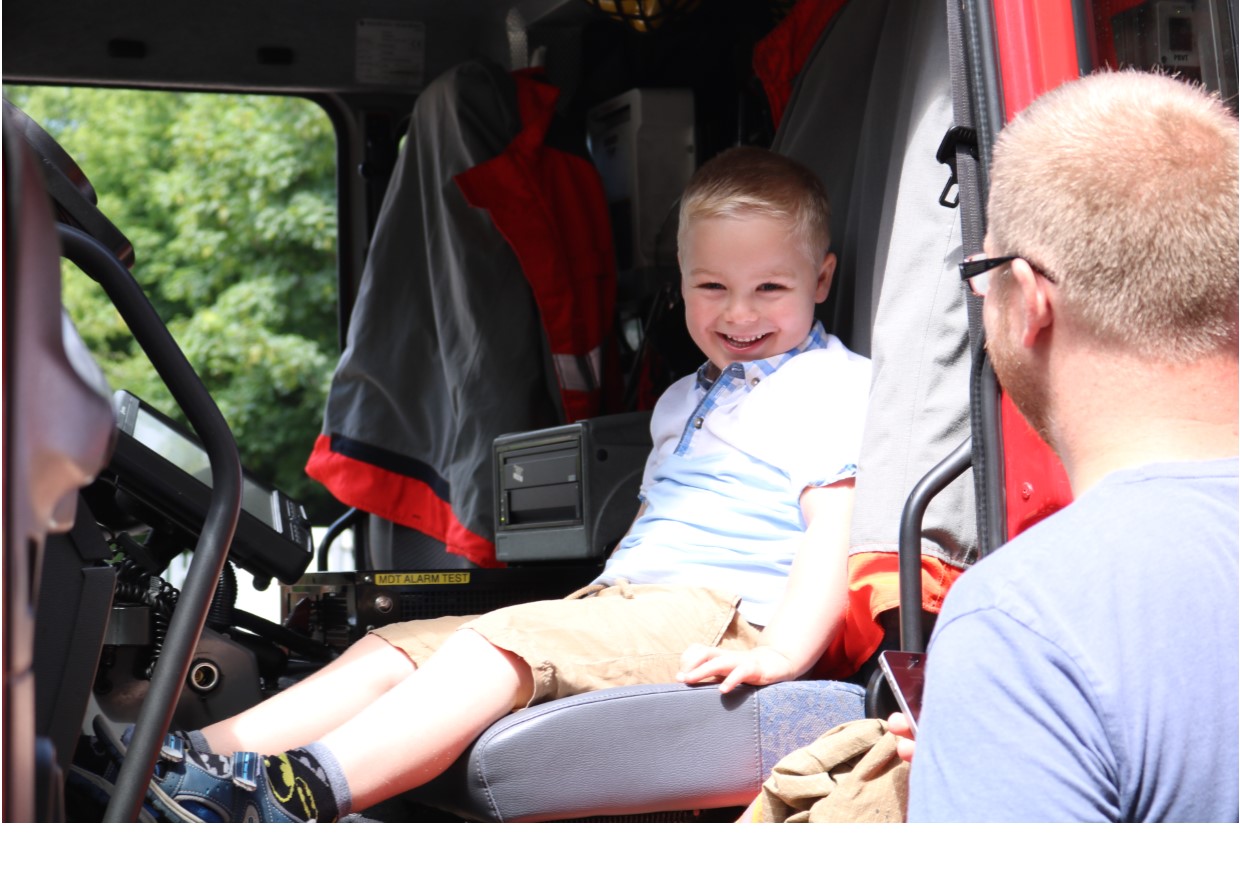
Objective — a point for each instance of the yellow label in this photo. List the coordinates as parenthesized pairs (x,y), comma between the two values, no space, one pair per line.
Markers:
(442,578)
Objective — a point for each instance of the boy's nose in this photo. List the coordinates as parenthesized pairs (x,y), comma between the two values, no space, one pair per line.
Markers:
(740,309)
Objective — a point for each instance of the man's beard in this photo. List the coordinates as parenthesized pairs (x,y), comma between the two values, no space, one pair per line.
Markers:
(1026,387)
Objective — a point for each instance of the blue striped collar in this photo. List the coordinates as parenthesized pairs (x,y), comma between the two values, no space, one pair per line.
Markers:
(750,373)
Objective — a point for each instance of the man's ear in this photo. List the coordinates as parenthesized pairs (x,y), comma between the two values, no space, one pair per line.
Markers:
(1035,298)
(825,273)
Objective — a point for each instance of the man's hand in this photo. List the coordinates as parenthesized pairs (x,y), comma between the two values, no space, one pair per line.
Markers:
(897,724)
(759,666)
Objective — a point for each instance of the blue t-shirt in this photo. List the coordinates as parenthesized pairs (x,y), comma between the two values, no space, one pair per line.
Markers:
(722,488)
(1087,671)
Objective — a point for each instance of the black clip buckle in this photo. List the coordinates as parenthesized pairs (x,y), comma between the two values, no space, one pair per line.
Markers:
(954,138)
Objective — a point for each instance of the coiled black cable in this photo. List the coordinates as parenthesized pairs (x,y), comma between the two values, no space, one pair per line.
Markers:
(135,584)
(223,602)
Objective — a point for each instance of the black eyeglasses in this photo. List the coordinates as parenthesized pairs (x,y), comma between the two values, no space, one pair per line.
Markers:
(975,269)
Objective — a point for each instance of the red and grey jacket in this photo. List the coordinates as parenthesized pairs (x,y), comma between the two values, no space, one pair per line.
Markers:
(485,308)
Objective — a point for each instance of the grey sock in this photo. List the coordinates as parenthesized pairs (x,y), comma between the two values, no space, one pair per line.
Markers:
(335,776)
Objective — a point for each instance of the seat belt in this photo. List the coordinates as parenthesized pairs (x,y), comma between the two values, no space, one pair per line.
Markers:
(959,151)
(965,149)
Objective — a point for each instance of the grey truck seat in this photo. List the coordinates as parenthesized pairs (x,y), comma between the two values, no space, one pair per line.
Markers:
(638,750)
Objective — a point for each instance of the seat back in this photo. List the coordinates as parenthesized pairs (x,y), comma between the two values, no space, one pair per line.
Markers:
(868,113)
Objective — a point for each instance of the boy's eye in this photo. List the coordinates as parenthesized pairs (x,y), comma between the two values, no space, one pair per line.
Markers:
(710,286)
(772,286)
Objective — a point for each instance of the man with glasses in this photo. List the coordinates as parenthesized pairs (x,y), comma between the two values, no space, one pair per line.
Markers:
(1088,669)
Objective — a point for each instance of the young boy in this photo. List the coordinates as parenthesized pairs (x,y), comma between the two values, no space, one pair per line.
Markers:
(734,569)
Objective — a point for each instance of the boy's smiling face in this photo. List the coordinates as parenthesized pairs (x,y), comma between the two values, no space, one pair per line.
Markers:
(749,287)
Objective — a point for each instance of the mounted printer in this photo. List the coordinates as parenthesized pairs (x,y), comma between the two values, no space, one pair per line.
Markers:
(568,492)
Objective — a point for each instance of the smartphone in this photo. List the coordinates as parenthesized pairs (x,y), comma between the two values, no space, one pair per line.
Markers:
(906,676)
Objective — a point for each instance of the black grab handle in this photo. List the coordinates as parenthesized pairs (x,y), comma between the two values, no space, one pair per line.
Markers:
(218,529)
(912,631)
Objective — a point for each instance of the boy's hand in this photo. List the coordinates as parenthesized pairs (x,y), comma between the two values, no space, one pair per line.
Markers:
(759,666)
(897,724)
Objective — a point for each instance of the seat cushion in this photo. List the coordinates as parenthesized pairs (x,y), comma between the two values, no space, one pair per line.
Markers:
(638,749)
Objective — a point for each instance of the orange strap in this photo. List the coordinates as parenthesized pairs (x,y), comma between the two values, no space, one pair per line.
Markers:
(874,588)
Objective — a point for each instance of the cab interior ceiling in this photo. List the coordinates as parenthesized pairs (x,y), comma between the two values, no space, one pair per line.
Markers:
(309,45)
(299,45)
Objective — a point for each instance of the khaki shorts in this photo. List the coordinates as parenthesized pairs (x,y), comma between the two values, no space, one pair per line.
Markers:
(597,638)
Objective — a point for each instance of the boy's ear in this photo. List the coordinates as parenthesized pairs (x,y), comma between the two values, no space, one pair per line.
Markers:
(825,273)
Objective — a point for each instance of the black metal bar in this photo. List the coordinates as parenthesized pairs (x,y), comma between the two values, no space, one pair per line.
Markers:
(333,531)
(218,528)
(912,636)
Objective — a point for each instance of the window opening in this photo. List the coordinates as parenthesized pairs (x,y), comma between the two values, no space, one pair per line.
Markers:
(230,202)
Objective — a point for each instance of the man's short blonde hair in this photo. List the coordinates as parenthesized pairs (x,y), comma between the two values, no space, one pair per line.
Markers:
(747,181)
(1123,188)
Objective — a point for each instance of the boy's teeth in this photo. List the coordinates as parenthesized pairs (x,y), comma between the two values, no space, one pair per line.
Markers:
(744,341)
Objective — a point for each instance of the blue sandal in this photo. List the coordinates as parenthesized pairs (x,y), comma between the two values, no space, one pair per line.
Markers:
(187,786)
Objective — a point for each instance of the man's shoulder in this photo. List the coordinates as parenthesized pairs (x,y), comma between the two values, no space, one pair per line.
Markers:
(1069,642)
(1199,475)
(1128,532)
(1130,499)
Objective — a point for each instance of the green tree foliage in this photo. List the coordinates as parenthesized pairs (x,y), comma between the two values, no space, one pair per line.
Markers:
(229,201)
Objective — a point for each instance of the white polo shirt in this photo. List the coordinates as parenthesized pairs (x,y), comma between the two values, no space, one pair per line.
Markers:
(722,488)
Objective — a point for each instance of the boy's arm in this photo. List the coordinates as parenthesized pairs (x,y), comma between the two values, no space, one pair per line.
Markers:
(811,612)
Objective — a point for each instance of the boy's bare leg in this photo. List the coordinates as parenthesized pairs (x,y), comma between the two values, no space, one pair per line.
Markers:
(413,732)
(391,727)
(306,711)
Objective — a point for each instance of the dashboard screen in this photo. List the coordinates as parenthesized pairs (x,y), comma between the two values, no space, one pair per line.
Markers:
(191,458)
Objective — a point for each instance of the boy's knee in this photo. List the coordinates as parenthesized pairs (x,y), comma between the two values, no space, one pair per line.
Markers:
(468,647)
(389,663)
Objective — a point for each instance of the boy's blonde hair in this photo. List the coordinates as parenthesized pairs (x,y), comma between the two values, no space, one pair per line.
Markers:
(1123,187)
(747,181)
